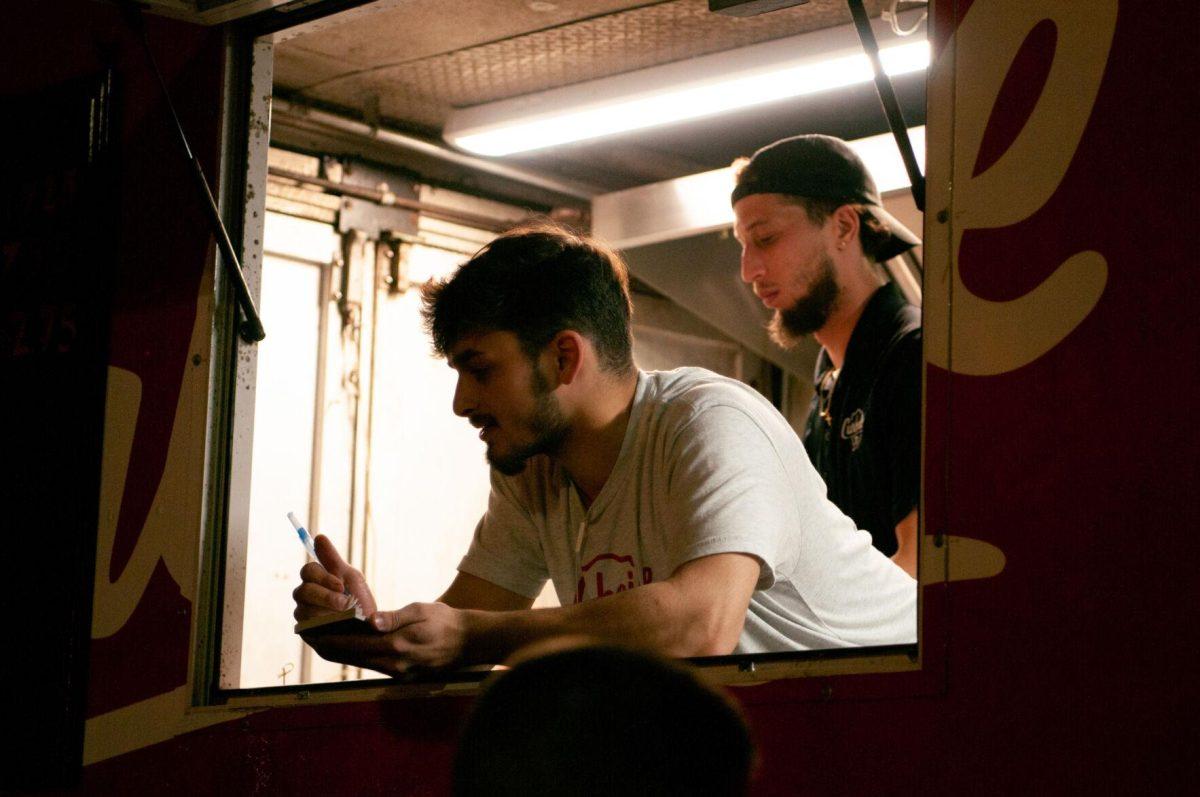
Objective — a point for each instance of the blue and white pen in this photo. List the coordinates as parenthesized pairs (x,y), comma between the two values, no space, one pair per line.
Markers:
(307,540)
(303,534)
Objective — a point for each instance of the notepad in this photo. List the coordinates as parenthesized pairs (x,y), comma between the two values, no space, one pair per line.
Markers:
(347,621)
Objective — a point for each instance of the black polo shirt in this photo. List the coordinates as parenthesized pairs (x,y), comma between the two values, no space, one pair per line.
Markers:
(863,432)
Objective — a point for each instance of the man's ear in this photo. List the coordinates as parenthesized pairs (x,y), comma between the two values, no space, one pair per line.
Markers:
(845,225)
(567,349)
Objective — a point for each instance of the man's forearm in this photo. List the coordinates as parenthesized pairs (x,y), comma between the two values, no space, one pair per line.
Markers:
(906,543)
(655,616)
(698,611)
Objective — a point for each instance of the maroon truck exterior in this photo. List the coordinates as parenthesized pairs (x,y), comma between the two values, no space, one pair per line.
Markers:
(1059,625)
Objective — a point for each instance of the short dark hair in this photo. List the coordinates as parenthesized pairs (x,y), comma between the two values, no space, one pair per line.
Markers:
(536,280)
(603,720)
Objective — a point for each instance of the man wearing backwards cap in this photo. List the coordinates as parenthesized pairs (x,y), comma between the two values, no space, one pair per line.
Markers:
(812,226)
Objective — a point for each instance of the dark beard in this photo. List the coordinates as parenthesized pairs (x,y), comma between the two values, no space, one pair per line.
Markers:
(810,312)
(547,424)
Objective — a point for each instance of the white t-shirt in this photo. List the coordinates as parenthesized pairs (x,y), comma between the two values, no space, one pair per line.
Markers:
(707,466)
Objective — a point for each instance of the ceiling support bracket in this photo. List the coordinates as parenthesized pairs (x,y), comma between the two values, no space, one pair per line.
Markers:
(251,329)
(891,106)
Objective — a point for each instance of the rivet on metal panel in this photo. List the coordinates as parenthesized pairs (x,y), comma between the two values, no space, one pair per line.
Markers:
(943,216)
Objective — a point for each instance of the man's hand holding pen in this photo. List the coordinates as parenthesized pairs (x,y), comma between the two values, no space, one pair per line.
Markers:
(421,635)
(330,584)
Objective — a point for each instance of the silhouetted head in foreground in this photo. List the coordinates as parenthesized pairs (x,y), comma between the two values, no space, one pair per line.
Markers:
(603,720)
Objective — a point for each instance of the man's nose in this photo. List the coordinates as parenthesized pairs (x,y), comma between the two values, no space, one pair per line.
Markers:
(752,267)
(464,402)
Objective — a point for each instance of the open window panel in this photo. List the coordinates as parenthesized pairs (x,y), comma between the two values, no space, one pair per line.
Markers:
(346,416)
(342,415)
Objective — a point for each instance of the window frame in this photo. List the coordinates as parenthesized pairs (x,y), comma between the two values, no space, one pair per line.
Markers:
(246,141)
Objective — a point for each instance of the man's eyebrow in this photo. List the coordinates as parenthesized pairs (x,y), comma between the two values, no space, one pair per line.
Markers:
(463,357)
(739,231)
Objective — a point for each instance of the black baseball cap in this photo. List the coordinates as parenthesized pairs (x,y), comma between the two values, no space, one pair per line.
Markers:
(821,167)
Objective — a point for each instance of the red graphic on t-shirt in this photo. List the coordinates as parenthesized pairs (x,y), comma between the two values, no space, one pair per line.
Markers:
(608,573)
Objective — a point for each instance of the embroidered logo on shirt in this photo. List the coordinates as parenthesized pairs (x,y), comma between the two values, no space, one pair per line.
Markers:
(852,428)
(609,573)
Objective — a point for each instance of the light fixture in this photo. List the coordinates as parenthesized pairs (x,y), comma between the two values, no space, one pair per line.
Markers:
(691,89)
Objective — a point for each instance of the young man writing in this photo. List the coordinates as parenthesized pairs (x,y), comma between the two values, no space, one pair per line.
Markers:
(811,226)
(681,500)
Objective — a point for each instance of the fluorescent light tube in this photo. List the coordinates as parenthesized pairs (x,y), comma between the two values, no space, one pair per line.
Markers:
(673,92)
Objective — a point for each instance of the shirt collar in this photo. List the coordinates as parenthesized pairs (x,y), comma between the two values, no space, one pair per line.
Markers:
(873,328)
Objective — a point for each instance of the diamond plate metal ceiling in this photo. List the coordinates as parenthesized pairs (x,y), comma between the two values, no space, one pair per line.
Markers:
(406,64)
